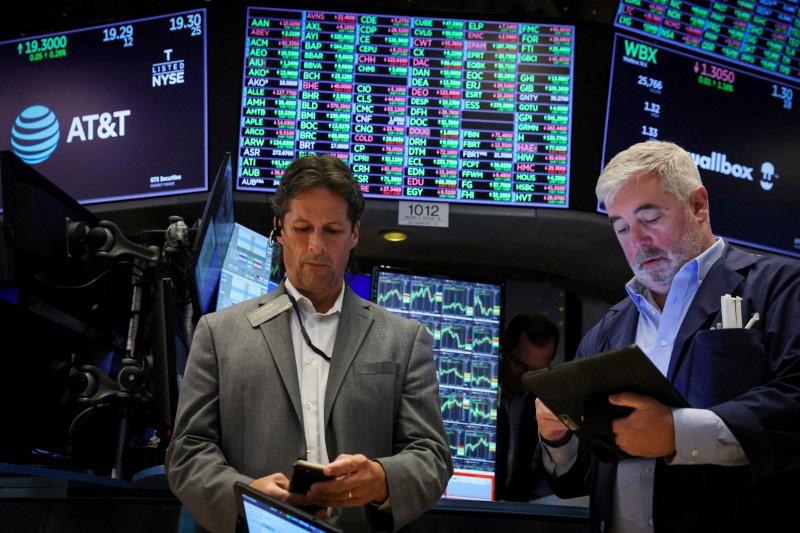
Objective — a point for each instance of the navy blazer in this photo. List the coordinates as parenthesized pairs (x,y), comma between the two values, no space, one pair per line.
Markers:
(749,378)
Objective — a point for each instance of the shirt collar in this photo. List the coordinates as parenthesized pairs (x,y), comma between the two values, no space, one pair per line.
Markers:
(697,267)
(306,305)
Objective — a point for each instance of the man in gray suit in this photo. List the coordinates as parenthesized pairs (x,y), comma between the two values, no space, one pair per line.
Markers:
(311,370)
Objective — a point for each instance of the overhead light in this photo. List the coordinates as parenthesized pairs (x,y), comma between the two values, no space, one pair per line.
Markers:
(394,235)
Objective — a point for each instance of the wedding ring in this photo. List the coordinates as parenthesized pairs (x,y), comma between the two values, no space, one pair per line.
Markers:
(349,494)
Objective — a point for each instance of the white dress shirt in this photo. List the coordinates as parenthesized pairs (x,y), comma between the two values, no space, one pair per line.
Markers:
(312,369)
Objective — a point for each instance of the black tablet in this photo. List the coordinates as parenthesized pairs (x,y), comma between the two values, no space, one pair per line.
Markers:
(577,392)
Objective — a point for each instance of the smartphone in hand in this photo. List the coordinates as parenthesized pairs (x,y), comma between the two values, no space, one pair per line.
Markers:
(304,474)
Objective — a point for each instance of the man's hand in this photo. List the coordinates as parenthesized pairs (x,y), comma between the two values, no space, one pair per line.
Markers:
(358,482)
(648,431)
(551,428)
(277,486)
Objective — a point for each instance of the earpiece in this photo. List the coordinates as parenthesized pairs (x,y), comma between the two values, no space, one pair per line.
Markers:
(276,231)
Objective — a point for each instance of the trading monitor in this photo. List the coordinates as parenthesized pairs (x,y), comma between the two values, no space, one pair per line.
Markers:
(422,107)
(246,268)
(763,35)
(210,244)
(464,320)
(111,112)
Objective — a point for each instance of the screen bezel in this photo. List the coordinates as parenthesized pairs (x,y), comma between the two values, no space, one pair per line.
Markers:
(204,278)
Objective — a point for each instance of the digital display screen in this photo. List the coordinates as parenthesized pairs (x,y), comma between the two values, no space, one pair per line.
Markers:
(759,34)
(247,270)
(464,320)
(211,241)
(110,112)
(741,129)
(420,108)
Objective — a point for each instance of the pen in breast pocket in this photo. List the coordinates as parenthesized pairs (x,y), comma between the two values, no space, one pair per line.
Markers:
(752,321)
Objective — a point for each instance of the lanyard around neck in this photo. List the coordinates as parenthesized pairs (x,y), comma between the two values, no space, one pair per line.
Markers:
(303,330)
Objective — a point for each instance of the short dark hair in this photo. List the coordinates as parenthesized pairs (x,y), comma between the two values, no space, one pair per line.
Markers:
(537,327)
(312,171)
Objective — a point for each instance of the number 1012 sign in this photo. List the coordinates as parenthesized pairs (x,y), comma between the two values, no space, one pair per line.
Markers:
(423,214)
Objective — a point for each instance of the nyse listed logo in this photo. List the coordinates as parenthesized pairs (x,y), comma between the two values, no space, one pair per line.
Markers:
(169,72)
(35,134)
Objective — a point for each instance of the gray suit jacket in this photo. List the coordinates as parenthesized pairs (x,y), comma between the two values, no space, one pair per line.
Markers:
(239,416)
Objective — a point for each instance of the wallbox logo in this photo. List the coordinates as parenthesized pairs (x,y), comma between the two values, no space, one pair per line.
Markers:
(35,134)
(768,176)
(717,162)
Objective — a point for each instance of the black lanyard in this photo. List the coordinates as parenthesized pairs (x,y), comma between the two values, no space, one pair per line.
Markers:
(303,330)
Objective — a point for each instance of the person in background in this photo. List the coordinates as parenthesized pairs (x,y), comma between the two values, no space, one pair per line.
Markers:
(311,370)
(529,343)
(730,462)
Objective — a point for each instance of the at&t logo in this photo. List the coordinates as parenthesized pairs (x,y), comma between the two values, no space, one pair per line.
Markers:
(35,134)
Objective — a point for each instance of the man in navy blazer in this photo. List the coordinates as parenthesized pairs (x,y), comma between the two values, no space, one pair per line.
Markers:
(731,461)
(311,370)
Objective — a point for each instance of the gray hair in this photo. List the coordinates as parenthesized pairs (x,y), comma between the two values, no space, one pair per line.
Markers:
(675,166)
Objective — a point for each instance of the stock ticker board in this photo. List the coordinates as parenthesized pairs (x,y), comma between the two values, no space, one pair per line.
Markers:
(419,107)
(760,34)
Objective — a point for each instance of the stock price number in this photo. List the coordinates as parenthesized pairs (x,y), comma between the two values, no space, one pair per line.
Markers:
(119,33)
(650,83)
(192,22)
(650,131)
(44,48)
(710,82)
(783,93)
(652,108)
(714,72)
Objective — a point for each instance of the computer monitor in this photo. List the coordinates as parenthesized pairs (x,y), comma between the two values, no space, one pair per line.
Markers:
(246,269)
(210,244)
(464,319)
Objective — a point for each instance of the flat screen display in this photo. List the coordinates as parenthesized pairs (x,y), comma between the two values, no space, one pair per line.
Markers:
(762,35)
(110,112)
(247,267)
(420,107)
(211,241)
(741,129)
(464,320)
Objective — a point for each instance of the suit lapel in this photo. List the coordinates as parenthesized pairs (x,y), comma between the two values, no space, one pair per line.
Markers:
(277,332)
(353,326)
(622,325)
(722,278)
